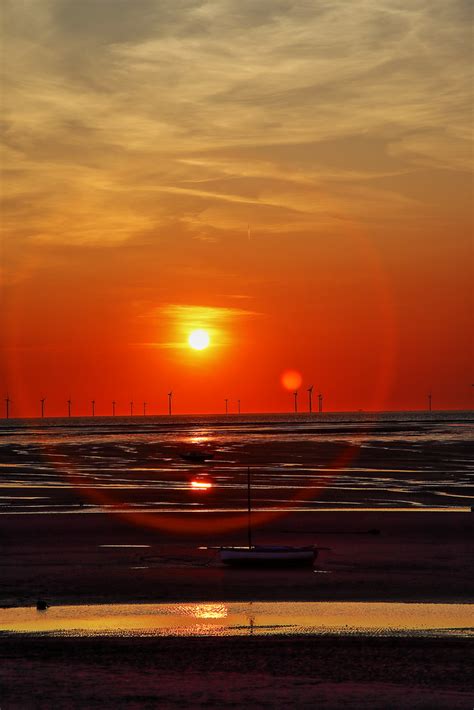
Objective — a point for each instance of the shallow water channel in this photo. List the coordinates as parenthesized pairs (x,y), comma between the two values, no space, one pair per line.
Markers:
(242,619)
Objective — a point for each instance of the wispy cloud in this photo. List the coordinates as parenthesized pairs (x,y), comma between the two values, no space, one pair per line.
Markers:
(188,316)
(294,110)
(180,319)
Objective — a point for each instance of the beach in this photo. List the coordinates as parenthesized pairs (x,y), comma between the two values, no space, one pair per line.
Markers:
(102,539)
(326,672)
(416,557)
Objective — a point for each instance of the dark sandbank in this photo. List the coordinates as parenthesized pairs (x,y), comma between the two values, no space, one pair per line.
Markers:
(326,672)
(417,556)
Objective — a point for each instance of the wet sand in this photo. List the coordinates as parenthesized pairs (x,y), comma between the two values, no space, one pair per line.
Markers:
(293,466)
(327,672)
(372,555)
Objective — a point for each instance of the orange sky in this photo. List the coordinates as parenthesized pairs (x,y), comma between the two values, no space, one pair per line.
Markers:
(140,141)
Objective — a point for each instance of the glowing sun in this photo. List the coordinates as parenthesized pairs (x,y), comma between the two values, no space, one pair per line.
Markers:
(199,339)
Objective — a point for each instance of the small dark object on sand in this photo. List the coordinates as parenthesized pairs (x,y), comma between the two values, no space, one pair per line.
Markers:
(41,605)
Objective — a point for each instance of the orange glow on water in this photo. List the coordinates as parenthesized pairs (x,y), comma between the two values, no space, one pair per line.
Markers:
(242,618)
(204,611)
(201,485)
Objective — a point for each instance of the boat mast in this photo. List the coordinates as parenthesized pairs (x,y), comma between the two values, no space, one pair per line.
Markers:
(249,509)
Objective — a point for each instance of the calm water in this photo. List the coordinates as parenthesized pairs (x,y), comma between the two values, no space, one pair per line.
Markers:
(244,618)
(414,460)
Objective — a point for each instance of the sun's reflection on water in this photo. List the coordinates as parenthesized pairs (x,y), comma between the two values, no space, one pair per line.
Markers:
(244,618)
(200,485)
(204,611)
(198,438)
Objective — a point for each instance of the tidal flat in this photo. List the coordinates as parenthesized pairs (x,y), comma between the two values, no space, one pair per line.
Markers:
(106,513)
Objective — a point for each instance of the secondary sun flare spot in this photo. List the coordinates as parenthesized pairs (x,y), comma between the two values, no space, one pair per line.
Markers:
(291,379)
(199,339)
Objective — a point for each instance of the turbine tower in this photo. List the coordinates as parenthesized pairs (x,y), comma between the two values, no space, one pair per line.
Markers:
(429,401)
(7,407)
(43,400)
(226,406)
(295,395)
(310,399)
(170,402)
(93,407)
(113,408)
(144,409)
(238,406)
(320,402)
(131,408)
(69,407)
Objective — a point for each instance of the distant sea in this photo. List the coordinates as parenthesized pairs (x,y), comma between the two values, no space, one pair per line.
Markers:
(414,460)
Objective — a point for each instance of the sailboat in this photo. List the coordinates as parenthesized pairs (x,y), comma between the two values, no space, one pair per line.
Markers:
(265,555)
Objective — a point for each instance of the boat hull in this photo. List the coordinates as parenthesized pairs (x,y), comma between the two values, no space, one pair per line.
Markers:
(267,556)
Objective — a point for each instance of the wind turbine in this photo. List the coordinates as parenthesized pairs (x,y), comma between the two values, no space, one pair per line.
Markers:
(7,407)
(93,407)
(310,398)
(429,401)
(238,406)
(43,400)
(69,407)
(131,408)
(320,402)
(170,402)
(113,408)
(144,409)
(226,406)
(295,395)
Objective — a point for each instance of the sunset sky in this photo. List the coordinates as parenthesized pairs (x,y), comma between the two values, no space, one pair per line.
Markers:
(292,176)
